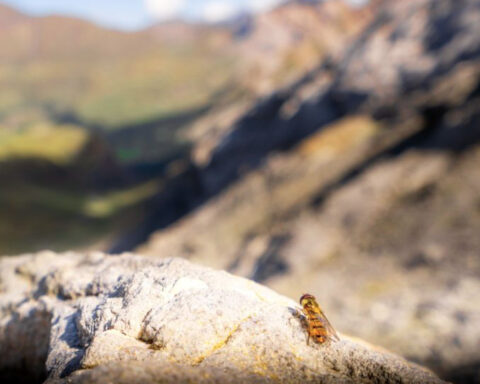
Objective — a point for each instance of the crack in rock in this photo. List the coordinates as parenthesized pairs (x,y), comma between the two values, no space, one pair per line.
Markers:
(222,343)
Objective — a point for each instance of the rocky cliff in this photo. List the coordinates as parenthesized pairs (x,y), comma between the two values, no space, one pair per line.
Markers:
(360,180)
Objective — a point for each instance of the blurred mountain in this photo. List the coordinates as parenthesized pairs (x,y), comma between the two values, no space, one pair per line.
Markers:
(275,50)
(359,182)
(63,69)
(88,113)
(9,17)
(87,116)
(79,68)
(280,45)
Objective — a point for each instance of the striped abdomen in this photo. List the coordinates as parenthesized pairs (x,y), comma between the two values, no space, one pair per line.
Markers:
(316,327)
(319,328)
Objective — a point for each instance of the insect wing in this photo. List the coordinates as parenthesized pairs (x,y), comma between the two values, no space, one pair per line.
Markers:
(329,330)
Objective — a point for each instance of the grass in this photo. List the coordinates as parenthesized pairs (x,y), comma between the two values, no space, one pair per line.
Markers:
(61,219)
(57,143)
(67,202)
(112,203)
(109,94)
(114,93)
(151,87)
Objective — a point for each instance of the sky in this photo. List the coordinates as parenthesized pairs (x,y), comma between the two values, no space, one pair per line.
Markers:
(136,14)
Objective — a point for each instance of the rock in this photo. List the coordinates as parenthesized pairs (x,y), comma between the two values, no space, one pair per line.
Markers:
(86,318)
(396,70)
(362,181)
(284,43)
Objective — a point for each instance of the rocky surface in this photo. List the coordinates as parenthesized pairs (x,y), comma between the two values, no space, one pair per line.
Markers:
(87,318)
(395,72)
(360,182)
(279,46)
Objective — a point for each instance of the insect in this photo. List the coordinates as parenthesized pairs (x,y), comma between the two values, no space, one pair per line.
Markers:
(314,320)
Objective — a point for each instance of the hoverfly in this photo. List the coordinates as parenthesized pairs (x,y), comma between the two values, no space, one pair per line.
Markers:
(314,320)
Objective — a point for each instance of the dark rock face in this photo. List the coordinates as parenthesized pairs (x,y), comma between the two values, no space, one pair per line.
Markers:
(393,71)
(368,166)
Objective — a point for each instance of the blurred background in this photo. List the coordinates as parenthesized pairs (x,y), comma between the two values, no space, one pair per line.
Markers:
(329,147)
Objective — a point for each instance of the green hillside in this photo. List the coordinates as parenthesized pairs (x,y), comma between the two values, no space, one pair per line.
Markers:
(56,70)
(62,79)
(94,120)
(107,78)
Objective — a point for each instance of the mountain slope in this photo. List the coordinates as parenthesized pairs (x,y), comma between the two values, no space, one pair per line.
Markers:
(359,183)
(146,96)
(283,44)
(103,77)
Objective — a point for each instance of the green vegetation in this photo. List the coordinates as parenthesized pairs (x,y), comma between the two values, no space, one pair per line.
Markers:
(62,79)
(61,219)
(58,70)
(58,144)
(112,203)
(111,92)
